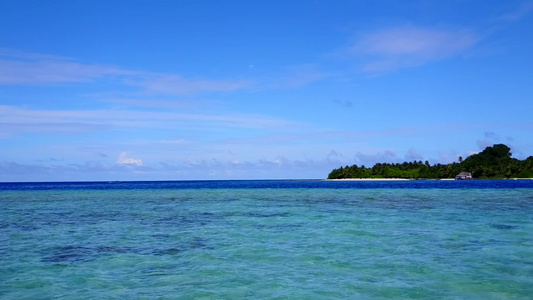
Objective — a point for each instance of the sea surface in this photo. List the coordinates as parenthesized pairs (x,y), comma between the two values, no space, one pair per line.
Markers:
(267,240)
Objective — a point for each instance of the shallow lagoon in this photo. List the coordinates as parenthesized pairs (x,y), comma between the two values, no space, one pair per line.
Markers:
(267,240)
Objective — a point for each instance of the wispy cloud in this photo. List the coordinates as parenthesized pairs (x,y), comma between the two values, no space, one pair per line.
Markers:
(90,170)
(410,46)
(20,68)
(523,10)
(298,76)
(303,75)
(9,129)
(490,138)
(343,103)
(131,169)
(355,135)
(413,155)
(153,103)
(172,84)
(482,144)
(15,120)
(386,156)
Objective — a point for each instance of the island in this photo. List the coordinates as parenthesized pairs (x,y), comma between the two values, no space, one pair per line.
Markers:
(494,162)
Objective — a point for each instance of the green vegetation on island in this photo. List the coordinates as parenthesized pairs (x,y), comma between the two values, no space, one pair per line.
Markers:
(493,162)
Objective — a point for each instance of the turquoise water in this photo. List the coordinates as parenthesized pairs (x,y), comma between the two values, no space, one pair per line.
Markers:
(267,243)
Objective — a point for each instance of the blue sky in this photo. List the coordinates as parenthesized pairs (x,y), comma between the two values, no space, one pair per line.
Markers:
(171,90)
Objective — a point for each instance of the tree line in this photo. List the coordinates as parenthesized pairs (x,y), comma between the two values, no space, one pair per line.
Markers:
(493,162)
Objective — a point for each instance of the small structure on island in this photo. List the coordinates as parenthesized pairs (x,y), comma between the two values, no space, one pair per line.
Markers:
(463,176)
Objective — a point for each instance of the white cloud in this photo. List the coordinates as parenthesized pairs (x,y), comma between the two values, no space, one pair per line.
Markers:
(123,159)
(409,46)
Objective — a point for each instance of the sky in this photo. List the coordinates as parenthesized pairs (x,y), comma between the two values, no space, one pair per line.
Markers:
(187,90)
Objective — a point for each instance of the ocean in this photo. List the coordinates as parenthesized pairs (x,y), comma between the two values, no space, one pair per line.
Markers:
(278,239)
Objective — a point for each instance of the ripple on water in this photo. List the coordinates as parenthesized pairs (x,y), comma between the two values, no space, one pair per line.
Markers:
(267,243)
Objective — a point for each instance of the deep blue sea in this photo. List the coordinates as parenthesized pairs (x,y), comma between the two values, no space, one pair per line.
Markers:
(270,239)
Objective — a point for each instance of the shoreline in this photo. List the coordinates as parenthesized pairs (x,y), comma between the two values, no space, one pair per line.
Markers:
(370,179)
(409,179)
